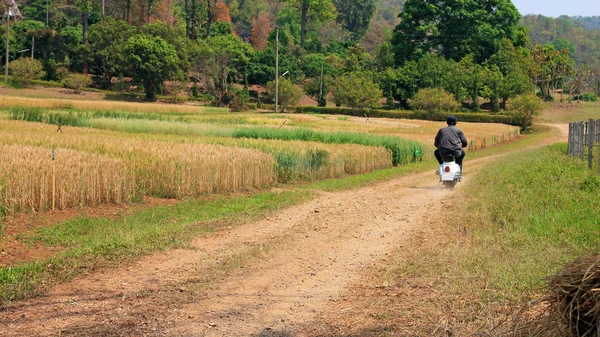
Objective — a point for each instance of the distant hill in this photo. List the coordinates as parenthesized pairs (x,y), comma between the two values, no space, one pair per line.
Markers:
(576,34)
(588,22)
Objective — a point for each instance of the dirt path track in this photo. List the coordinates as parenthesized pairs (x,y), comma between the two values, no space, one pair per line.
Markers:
(266,278)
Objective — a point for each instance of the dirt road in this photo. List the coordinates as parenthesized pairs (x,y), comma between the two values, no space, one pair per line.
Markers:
(266,278)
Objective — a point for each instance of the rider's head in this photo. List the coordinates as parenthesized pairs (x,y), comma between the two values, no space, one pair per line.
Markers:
(451,120)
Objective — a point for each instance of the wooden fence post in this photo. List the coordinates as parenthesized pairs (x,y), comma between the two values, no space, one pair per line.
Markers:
(591,133)
(570,140)
(581,140)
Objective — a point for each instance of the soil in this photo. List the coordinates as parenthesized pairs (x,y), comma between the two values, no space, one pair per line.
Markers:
(272,277)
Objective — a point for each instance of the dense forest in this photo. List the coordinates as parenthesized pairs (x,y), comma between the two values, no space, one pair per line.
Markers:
(347,52)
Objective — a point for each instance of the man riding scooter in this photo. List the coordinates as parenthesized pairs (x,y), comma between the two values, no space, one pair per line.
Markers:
(450,141)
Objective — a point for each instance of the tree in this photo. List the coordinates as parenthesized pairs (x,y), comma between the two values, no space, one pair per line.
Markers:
(514,65)
(355,15)
(220,59)
(186,49)
(356,91)
(434,101)
(549,68)
(151,60)
(524,109)
(222,13)
(107,39)
(288,93)
(321,10)
(25,70)
(578,80)
(318,91)
(77,82)
(453,28)
(260,31)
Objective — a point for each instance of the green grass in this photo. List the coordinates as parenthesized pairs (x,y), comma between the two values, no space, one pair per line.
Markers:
(582,111)
(539,210)
(403,151)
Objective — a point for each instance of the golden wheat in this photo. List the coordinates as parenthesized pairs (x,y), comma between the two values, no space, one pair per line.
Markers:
(82,179)
(52,103)
(157,168)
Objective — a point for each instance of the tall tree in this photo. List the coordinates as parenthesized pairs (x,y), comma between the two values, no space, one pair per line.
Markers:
(260,31)
(152,60)
(321,10)
(355,15)
(454,28)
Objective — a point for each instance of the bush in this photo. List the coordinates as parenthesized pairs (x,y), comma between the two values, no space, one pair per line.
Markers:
(77,82)
(524,109)
(356,91)
(289,93)
(26,70)
(588,97)
(434,101)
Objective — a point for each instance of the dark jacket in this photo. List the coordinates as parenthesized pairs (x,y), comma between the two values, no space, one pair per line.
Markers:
(450,138)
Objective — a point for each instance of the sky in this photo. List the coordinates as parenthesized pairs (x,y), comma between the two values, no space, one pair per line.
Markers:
(556,8)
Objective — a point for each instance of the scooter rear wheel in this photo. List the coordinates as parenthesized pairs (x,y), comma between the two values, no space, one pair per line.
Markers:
(450,184)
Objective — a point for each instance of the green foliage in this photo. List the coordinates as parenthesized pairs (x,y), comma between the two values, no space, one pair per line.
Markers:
(524,109)
(434,101)
(356,91)
(107,39)
(289,93)
(588,97)
(77,82)
(549,68)
(152,60)
(402,150)
(26,70)
(355,15)
(312,88)
(454,28)
(570,33)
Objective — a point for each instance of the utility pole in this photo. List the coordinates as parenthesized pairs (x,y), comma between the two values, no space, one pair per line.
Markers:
(7,17)
(276,67)
(321,87)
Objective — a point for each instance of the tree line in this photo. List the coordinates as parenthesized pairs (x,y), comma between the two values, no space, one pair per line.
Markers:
(469,49)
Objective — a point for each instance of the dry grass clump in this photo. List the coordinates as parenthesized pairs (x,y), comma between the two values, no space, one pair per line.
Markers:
(571,307)
(82,179)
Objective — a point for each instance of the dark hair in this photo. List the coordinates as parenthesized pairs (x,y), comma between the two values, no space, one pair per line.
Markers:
(451,120)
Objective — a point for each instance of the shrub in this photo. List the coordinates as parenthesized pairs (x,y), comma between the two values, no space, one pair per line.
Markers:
(289,93)
(434,101)
(588,97)
(25,70)
(524,109)
(77,82)
(356,91)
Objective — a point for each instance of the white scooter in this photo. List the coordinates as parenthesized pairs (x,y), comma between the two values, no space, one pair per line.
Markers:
(450,172)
